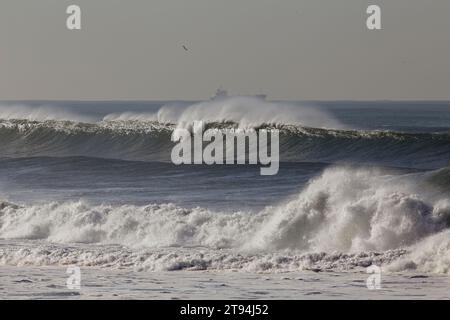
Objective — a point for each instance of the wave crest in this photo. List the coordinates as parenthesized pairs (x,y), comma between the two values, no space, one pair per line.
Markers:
(150,141)
(344,211)
(351,210)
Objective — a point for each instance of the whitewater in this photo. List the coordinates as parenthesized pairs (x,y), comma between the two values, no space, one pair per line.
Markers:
(339,215)
(91,184)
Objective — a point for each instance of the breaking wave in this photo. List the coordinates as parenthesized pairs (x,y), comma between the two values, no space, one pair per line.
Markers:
(143,132)
(344,218)
(245,111)
(150,141)
(191,259)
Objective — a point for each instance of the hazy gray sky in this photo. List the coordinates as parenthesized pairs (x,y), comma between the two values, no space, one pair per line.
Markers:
(289,49)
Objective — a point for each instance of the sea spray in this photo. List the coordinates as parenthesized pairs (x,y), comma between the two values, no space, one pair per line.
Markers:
(343,210)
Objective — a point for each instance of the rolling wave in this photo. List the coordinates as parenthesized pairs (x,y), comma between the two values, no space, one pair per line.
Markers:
(150,141)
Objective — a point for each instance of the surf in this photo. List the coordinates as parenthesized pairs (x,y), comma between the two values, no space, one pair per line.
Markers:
(345,210)
(151,141)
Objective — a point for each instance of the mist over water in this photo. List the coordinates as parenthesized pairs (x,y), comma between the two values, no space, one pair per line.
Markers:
(246,112)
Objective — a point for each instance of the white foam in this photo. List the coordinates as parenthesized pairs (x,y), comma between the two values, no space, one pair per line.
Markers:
(352,210)
(177,258)
(146,226)
(431,255)
(343,211)
(41,113)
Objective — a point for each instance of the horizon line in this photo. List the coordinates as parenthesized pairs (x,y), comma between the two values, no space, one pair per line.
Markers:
(201,100)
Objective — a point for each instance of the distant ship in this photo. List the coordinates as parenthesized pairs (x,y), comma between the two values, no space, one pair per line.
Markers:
(223,94)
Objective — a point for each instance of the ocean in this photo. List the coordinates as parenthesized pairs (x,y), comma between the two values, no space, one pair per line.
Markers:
(92,184)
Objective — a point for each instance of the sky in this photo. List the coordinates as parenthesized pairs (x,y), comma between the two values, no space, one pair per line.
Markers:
(288,49)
